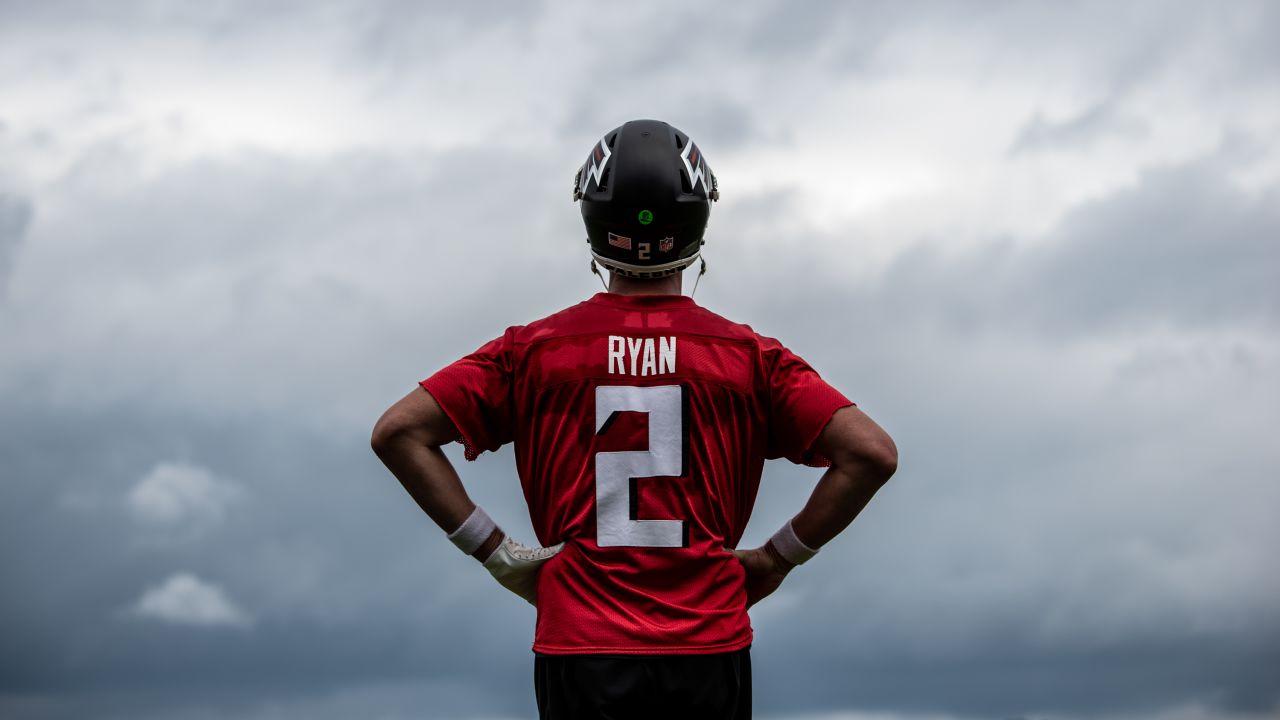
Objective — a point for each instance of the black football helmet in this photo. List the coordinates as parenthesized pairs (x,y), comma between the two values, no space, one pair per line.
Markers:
(646,194)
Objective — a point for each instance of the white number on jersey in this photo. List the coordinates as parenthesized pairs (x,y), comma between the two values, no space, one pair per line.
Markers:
(616,521)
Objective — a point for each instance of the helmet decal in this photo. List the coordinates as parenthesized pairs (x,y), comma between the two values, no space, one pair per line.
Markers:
(693,164)
(620,241)
(594,166)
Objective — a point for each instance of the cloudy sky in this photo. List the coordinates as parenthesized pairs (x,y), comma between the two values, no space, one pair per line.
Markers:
(1039,242)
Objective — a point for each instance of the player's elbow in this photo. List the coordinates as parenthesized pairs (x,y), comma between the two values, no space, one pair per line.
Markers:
(858,446)
(389,432)
(882,458)
(873,458)
(414,421)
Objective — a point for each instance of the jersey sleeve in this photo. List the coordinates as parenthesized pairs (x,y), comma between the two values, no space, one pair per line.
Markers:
(801,405)
(475,392)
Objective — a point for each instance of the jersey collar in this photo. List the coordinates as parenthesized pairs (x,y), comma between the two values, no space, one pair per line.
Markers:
(642,301)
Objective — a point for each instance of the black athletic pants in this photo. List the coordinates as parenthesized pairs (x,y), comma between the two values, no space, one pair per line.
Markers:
(620,687)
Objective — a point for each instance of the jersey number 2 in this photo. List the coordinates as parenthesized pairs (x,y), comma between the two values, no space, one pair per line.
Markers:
(616,472)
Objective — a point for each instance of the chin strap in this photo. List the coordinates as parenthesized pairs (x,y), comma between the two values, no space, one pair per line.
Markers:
(701,271)
(596,271)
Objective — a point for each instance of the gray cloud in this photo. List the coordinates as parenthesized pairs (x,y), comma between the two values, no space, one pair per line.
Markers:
(1098,122)
(1182,246)
(399,33)
(281,283)
(15,219)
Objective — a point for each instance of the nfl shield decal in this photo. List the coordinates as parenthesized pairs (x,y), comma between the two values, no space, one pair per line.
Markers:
(666,243)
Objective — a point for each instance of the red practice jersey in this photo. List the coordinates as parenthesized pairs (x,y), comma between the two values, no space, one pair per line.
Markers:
(641,425)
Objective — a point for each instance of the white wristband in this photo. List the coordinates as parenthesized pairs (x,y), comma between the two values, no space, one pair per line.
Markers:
(473,531)
(790,547)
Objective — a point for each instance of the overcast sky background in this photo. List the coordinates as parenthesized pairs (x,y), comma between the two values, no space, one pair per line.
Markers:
(1039,242)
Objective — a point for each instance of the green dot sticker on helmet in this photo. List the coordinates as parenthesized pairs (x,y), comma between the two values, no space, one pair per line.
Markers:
(646,217)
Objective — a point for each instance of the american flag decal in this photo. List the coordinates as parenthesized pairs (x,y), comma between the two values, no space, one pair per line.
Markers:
(620,241)
(666,243)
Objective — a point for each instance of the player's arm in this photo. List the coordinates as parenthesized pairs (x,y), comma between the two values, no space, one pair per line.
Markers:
(863,457)
(407,438)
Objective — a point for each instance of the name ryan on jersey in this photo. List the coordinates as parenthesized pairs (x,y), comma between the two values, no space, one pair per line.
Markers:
(641,357)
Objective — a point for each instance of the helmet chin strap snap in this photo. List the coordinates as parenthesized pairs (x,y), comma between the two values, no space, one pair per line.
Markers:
(701,271)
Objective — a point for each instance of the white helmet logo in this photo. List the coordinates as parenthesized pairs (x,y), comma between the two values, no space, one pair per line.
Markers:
(595,164)
(692,158)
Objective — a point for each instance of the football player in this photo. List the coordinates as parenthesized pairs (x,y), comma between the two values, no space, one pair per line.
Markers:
(640,422)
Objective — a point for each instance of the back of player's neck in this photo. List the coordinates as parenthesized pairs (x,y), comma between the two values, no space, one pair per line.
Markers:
(669,285)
